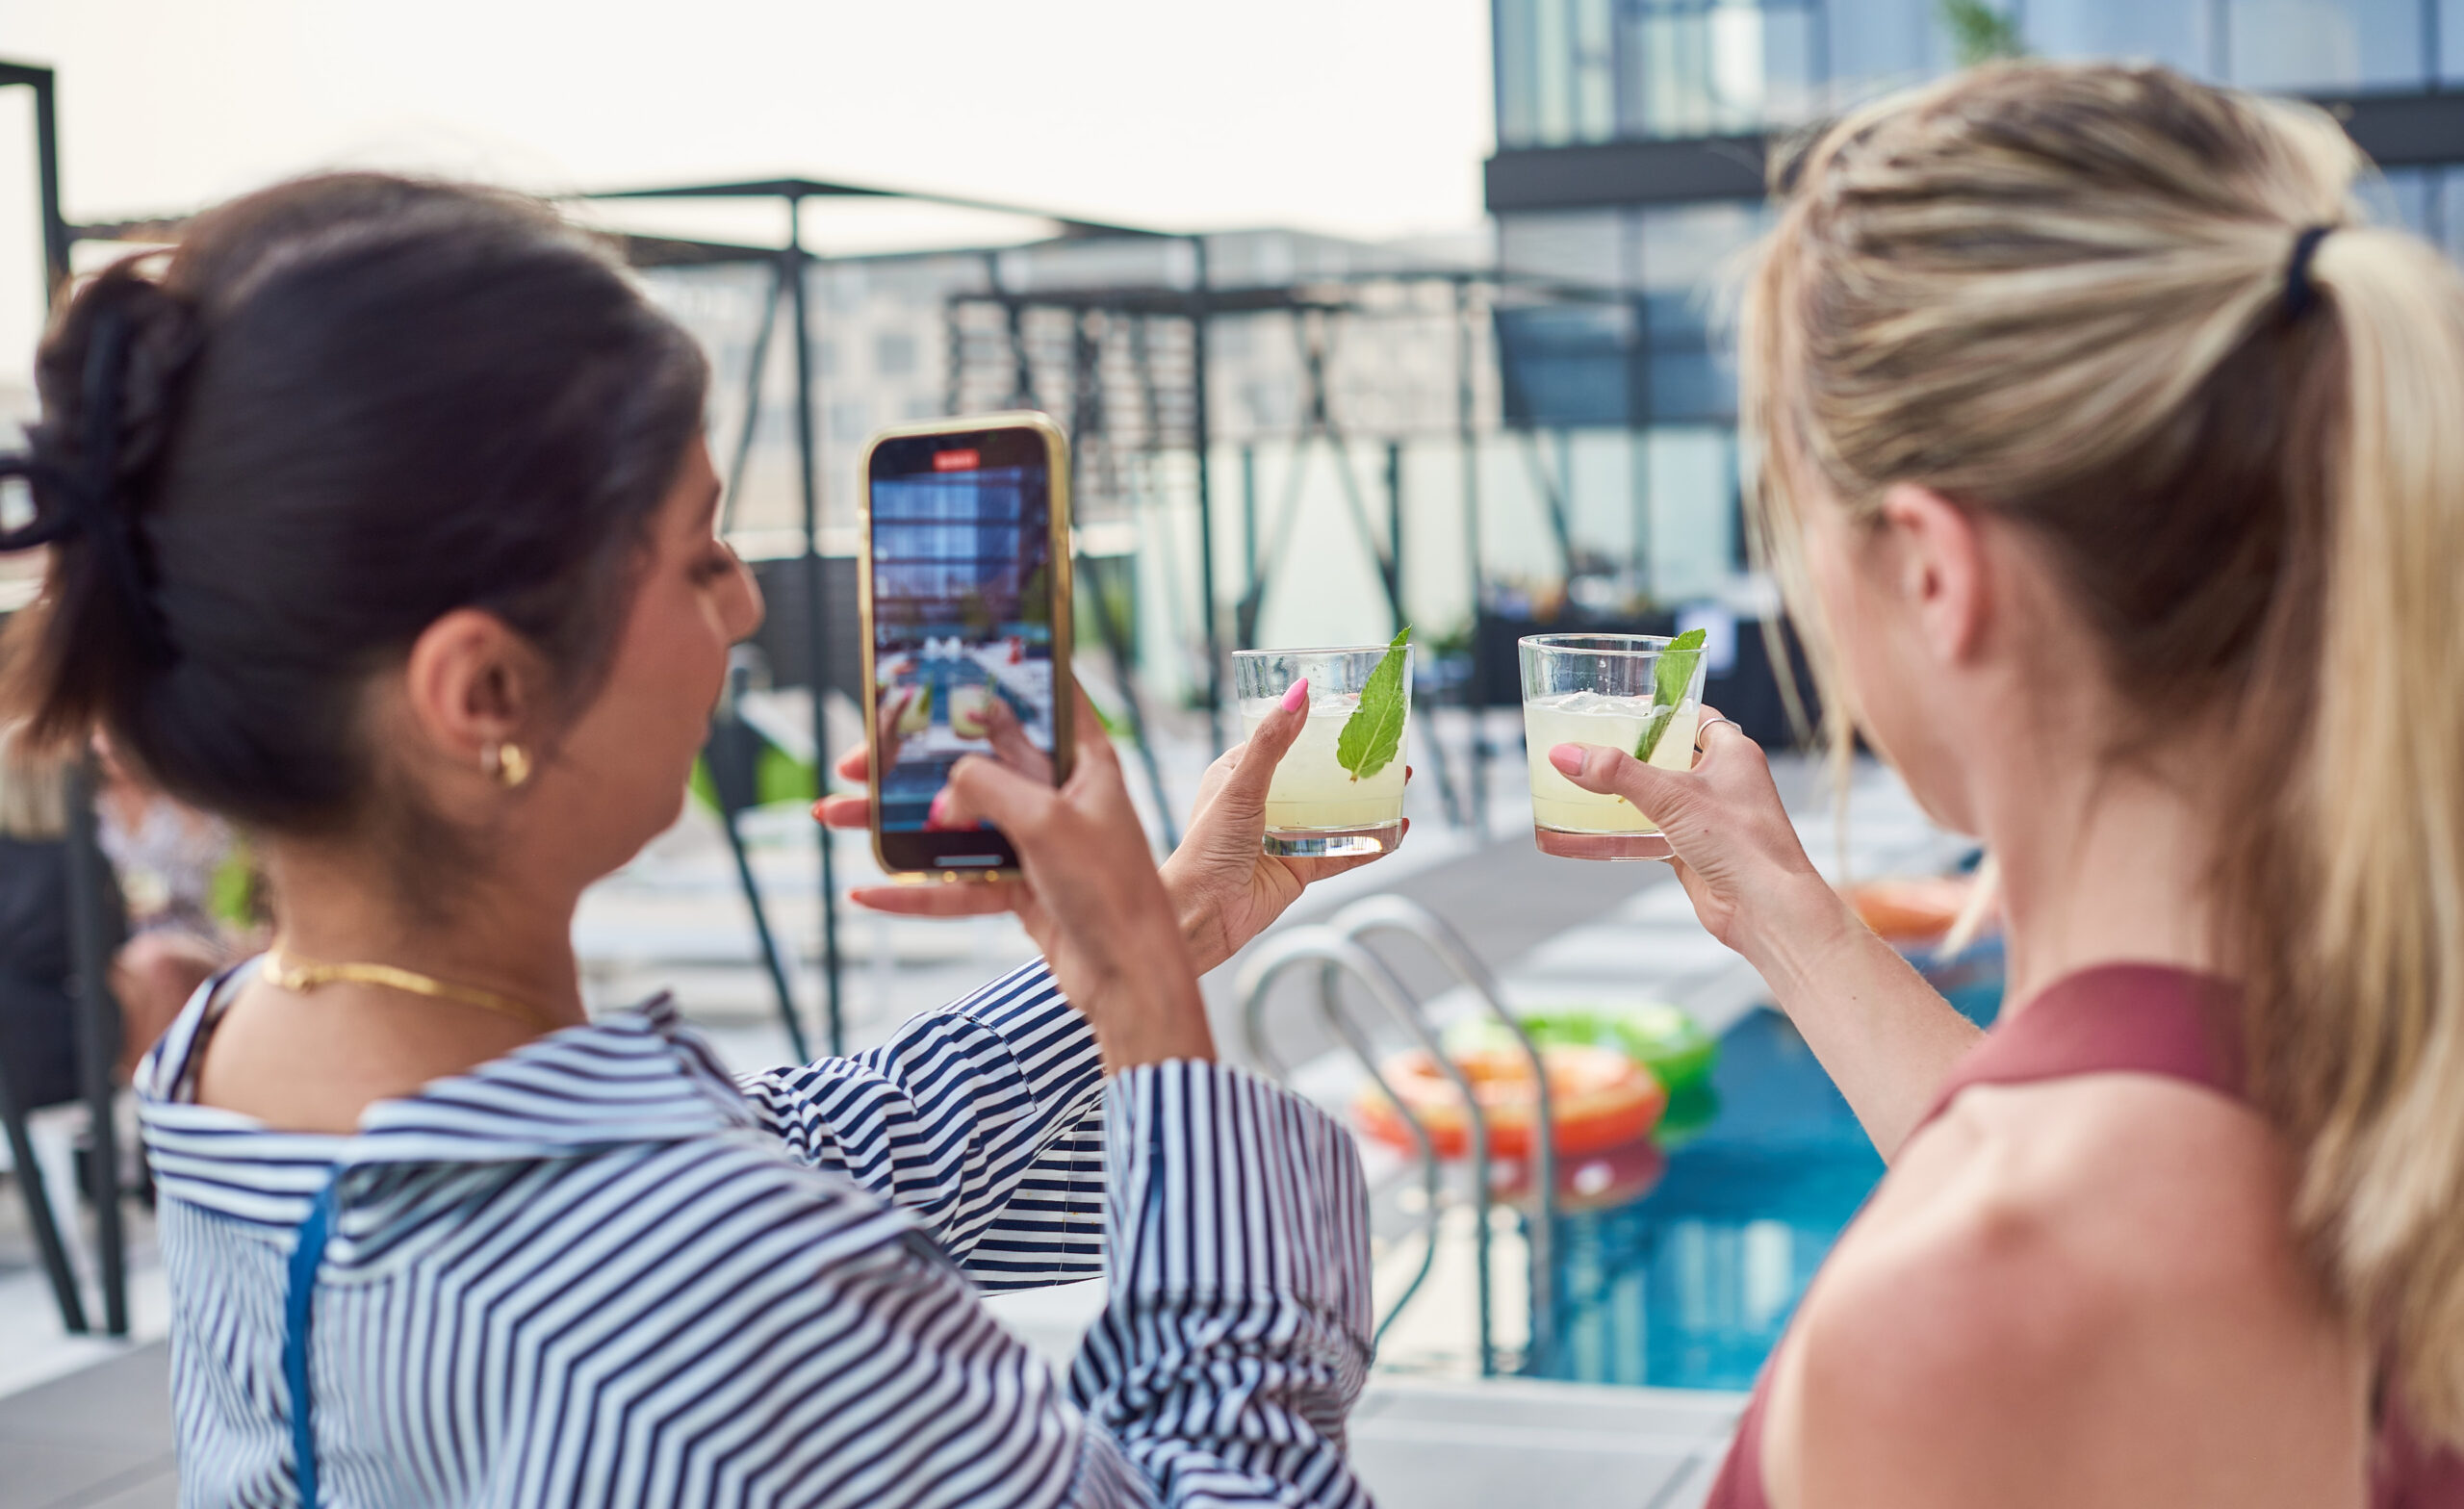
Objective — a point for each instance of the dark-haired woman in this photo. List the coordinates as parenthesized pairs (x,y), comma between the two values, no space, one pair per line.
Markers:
(382,527)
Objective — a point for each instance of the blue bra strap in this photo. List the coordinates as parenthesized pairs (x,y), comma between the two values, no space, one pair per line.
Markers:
(307,1254)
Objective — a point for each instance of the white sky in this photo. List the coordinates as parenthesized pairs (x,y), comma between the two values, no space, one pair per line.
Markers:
(1358,116)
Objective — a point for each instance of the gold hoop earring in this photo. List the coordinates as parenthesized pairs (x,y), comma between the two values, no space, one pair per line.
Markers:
(508,763)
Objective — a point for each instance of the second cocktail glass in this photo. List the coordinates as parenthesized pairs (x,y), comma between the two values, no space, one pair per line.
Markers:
(1639,693)
(1340,788)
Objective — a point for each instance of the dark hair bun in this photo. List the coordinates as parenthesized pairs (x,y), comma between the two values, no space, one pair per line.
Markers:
(344,407)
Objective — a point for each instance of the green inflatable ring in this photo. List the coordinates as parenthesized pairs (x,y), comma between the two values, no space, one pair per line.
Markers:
(1661,1039)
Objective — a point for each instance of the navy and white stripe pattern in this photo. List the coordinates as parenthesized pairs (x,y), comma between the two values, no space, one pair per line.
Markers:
(596,1272)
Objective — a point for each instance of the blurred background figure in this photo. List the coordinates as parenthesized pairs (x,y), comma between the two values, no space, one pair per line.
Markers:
(187,882)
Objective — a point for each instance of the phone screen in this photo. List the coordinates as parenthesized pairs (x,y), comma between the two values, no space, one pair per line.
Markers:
(963,651)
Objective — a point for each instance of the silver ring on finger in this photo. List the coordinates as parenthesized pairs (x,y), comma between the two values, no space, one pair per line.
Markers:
(1713,723)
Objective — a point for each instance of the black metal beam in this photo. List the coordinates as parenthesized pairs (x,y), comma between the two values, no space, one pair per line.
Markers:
(1624,173)
(640,251)
(100,1027)
(55,226)
(40,1216)
(1162,299)
(758,189)
(796,263)
(2408,130)
(1203,442)
(794,190)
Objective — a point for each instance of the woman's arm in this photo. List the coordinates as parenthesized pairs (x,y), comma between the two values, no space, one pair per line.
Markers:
(1237,1333)
(979,1119)
(1237,1336)
(820,1350)
(1886,1037)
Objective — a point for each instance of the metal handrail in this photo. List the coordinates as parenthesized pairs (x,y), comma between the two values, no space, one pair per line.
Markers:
(1390,914)
(1432,1171)
(1331,950)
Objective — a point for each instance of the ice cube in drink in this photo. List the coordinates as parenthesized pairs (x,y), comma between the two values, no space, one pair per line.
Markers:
(1314,806)
(1585,825)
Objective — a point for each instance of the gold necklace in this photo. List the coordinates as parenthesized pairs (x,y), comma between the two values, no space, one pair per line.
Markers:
(289,974)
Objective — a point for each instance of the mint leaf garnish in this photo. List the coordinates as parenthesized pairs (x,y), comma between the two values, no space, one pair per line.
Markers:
(1373,733)
(1655,724)
(1671,674)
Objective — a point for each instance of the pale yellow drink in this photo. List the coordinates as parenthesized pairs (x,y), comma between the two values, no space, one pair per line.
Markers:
(1589,718)
(969,708)
(1313,800)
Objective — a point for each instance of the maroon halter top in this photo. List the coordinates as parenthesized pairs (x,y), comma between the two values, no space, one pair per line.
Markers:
(2134,1019)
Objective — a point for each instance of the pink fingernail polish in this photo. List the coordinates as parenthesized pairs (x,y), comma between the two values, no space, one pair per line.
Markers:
(1567,758)
(1298,694)
(939,813)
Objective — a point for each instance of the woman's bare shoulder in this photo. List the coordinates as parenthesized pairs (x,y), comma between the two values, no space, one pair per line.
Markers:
(2084,1290)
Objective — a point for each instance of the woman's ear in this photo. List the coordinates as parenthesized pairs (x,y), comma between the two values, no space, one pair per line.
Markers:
(1943,572)
(472,685)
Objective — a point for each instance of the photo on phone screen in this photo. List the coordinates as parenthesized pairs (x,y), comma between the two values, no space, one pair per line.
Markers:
(963,623)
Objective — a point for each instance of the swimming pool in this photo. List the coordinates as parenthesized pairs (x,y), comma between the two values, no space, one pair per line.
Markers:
(1690,1285)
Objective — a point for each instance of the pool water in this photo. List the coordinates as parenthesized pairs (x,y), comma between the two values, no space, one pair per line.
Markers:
(1690,1285)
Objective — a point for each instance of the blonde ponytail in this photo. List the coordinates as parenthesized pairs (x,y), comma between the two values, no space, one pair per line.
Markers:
(2361,1040)
(2058,293)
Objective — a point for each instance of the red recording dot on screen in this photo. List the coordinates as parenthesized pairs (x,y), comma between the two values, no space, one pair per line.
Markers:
(955,460)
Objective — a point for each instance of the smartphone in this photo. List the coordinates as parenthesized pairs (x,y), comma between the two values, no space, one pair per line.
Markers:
(966,592)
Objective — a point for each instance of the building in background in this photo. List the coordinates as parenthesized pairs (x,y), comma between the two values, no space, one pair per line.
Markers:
(1346,385)
(1631,139)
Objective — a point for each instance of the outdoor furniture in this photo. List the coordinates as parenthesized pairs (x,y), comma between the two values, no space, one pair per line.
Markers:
(60,918)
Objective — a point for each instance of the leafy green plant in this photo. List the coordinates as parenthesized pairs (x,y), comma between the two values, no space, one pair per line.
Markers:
(1980,33)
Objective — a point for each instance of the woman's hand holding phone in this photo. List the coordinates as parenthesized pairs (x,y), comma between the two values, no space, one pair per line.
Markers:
(1224,888)
(1090,896)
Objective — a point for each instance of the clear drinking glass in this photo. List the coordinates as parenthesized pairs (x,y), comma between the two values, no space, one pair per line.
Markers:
(1315,804)
(1610,689)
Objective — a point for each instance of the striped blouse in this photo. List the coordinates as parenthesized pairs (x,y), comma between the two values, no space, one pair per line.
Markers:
(595,1271)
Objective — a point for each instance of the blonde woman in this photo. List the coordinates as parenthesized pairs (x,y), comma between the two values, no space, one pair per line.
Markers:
(2117,465)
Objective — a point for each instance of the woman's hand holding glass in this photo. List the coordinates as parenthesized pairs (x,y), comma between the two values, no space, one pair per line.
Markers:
(1886,1035)
(1737,853)
(1226,888)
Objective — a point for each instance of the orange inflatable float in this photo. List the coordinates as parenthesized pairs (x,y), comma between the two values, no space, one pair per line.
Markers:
(1599,1099)
(1912,909)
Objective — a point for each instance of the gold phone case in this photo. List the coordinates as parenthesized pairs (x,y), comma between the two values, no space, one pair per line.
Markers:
(1056,448)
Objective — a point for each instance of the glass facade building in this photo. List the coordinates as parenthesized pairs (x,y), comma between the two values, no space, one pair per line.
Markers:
(1631,138)
(1572,71)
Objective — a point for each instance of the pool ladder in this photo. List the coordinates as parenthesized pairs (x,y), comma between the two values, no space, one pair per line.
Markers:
(1335,948)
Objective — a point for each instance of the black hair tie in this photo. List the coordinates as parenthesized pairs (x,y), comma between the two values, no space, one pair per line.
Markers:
(83,501)
(2299,293)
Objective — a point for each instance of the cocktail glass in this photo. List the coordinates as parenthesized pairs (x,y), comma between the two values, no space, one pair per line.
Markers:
(970,711)
(1315,806)
(1611,689)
